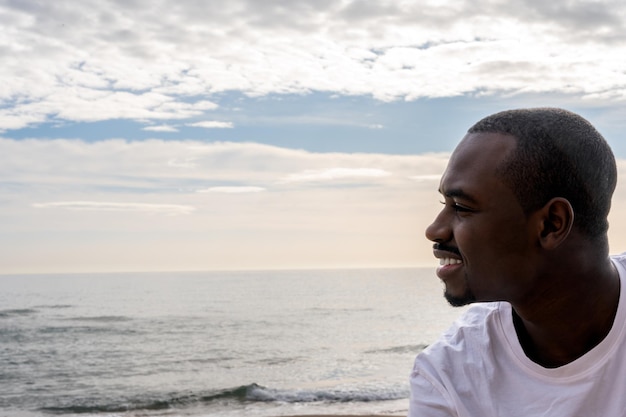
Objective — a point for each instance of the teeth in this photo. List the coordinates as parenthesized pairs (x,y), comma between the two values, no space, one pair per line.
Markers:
(449,261)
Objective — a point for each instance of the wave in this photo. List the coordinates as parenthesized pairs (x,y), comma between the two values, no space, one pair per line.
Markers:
(56,306)
(17,312)
(400,349)
(255,392)
(13,312)
(86,330)
(242,394)
(101,319)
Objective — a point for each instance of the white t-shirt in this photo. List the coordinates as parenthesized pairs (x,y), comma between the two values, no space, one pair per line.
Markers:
(479,369)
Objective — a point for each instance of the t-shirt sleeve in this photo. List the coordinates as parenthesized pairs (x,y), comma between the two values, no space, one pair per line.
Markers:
(426,400)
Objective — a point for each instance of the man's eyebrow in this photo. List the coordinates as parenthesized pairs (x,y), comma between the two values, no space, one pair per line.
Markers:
(458,193)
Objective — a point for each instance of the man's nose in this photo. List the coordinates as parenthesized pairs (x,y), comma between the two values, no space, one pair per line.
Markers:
(439,230)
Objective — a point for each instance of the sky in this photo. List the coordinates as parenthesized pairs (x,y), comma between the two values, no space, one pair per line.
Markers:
(161,135)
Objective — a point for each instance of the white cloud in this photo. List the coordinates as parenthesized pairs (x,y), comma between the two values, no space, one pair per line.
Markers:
(186,163)
(335,174)
(232,190)
(156,166)
(212,125)
(168,209)
(102,199)
(132,61)
(427,177)
(161,128)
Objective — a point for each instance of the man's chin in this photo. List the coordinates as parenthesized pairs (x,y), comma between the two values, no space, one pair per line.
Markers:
(456,301)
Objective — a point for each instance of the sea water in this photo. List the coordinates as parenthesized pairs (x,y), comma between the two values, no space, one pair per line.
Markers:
(253,343)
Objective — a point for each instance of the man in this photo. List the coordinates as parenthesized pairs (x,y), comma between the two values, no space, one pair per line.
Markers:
(523,233)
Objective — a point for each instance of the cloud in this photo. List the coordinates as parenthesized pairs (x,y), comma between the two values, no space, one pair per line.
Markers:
(188,162)
(168,209)
(212,125)
(427,177)
(232,190)
(71,205)
(335,174)
(161,128)
(131,61)
(156,167)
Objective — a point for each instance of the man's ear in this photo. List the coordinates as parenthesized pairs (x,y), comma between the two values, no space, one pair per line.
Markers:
(558,218)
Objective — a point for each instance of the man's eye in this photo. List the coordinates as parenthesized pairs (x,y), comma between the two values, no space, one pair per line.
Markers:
(457,207)
(460,208)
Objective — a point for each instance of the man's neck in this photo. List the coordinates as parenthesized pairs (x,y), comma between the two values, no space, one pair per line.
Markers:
(560,329)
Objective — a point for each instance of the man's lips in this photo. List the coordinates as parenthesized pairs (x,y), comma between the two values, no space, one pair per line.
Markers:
(443,251)
(448,256)
(446,248)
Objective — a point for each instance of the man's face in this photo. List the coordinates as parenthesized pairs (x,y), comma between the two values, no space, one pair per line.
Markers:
(482,236)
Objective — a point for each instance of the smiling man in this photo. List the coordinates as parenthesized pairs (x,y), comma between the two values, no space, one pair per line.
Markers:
(523,236)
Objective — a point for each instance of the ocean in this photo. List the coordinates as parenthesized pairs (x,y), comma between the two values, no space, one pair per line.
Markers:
(253,343)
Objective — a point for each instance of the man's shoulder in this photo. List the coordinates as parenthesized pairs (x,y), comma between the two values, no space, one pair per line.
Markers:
(478,318)
(467,345)
(620,258)
(474,329)
(478,313)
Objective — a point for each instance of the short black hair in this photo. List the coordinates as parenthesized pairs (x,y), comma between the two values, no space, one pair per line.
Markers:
(558,154)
